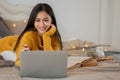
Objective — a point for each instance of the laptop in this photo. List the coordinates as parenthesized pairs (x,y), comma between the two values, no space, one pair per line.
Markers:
(43,64)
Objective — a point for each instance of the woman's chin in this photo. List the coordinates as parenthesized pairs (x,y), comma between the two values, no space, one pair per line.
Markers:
(41,33)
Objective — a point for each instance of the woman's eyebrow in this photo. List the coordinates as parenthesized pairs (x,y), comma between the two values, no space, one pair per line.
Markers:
(46,18)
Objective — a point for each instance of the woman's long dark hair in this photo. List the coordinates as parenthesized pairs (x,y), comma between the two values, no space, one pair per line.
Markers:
(30,25)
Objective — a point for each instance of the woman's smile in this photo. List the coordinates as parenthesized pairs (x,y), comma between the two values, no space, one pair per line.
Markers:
(42,22)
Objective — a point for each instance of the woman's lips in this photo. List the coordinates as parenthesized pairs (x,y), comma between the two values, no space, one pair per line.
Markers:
(42,29)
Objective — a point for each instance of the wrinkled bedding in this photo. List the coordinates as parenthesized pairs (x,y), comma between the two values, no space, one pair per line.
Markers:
(106,70)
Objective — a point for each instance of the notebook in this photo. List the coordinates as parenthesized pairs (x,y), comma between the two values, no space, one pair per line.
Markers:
(43,64)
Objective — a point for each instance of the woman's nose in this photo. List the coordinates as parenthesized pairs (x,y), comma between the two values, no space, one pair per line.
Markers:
(42,23)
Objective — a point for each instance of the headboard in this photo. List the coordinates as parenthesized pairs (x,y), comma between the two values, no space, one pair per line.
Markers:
(3,29)
(16,27)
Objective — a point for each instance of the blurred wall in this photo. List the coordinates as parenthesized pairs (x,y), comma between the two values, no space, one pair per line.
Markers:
(92,20)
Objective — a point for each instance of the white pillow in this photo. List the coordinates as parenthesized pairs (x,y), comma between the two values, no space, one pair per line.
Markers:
(9,55)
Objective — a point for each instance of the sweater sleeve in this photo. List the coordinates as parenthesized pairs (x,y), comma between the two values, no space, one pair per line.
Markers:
(47,43)
(51,43)
(26,39)
(48,39)
(56,43)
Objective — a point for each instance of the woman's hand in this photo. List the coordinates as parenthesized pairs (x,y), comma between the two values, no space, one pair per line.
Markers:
(51,31)
(25,48)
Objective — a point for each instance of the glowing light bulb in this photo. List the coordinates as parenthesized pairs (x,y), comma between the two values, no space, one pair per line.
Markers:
(86,45)
(24,21)
(105,49)
(14,25)
(83,49)
(73,47)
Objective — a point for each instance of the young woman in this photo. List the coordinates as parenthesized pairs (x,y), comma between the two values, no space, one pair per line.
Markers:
(40,33)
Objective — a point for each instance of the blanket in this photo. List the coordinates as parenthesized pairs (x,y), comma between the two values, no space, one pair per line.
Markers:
(106,70)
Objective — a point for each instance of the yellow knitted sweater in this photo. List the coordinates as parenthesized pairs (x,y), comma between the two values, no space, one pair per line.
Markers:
(32,39)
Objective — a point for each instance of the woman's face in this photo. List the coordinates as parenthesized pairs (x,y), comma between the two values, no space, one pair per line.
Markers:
(42,22)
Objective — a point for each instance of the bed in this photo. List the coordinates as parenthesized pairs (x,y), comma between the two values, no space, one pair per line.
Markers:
(106,70)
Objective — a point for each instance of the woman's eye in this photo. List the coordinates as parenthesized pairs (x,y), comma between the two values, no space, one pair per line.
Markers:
(46,20)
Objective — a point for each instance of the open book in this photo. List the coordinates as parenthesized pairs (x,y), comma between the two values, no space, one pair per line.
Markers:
(77,62)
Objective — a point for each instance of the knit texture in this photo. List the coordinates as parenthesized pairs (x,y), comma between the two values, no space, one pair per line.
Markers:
(32,39)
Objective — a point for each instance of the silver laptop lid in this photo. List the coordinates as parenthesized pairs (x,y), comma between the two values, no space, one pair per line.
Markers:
(45,64)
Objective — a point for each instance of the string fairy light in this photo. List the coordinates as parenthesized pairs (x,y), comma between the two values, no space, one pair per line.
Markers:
(14,25)
(73,47)
(86,45)
(24,21)
(105,49)
(83,49)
